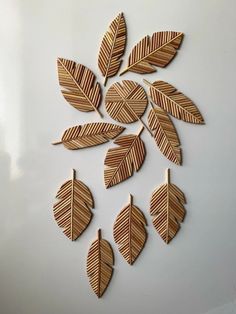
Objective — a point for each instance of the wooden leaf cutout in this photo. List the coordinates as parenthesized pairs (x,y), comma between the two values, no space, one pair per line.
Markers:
(122,161)
(174,102)
(157,50)
(167,209)
(79,86)
(112,47)
(89,134)
(126,102)
(165,134)
(73,210)
(99,265)
(129,231)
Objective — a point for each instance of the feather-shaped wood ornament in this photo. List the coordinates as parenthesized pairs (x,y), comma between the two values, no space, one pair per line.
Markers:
(157,50)
(126,102)
(112,48)
(167,209)
(99,264)
(174,102)
(73,210)
(122,161)
(164,134)
(129,231)
(89,134)
(79,86)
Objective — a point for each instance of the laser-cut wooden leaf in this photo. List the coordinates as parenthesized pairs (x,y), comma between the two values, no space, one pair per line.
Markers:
(167,209)
(79,86)
(99,265)
(157,50)
(129,231)
(73,210)
(165,134)
(122,161)
(126,102)
(89,134)
(174,102)
(112,47)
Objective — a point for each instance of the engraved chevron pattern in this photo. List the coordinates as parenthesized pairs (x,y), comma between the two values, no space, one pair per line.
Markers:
(157,50)
(79,87)
(72,211)
(89,134)
(99,265)
(122,161)
(112,48)
(167,209)
(126,101)
(165,134)
(174,102)
(129,232)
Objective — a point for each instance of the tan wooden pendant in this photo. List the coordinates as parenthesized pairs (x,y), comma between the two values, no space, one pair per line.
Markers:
(79,86)
(164,134)
(122,161)
(112,48)
(73,210)
(129,231)
(89,134)
(174,102)
(167,209)
(126,102)
(99,264)
(157,50)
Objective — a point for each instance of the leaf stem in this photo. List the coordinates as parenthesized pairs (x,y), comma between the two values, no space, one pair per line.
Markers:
(124,71)
(146,127)
(130,199)
(105,81)
(168,175)
(98,112)
(147,83)
(99,234)
(140,131)
(57,143)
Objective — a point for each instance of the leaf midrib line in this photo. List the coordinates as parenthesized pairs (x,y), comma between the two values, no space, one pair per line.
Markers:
(99,263)
(130,230)
(72,204)
(167,187)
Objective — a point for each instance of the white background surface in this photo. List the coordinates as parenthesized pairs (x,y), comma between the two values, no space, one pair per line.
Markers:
(41,271)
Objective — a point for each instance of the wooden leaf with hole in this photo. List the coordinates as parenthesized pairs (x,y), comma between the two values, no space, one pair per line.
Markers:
(165,134)
(167,209)
(112,48)
(99,265)
(89,134)
(123,160)
(73,210)
(129,232)
(157,50)
(174,102)
(79,86)
(126,102)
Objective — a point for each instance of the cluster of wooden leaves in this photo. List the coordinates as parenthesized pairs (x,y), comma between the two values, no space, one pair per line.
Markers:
(73,214)
(126,102)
